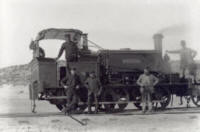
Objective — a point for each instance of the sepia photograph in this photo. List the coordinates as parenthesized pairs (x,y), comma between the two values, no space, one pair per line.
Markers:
(99,66)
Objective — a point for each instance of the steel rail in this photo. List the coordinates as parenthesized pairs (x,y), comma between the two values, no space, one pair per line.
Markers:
(173,110)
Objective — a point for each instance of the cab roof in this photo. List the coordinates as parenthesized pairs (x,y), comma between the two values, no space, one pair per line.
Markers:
(56,33)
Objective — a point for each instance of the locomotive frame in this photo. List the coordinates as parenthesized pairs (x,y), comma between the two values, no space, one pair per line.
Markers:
(118,79)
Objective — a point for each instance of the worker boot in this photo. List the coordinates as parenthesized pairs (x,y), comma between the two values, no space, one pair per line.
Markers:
(181,101)
(67,110)
(96,106)
(89,108)
(188,101)
(143,107)
(150,111)
(96,110)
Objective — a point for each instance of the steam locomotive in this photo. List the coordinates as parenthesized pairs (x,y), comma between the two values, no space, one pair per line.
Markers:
(117,70)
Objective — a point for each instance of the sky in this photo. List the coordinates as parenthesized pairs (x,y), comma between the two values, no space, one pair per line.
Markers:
(112,24)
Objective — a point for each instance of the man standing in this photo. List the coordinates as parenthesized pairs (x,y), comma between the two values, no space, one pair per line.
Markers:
(71,51)
(71,83)
(94,89)
(167,66)
(186,58)
(147,81)
(187,63)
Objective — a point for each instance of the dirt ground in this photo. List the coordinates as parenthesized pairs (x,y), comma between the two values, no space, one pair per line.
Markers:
(15,116)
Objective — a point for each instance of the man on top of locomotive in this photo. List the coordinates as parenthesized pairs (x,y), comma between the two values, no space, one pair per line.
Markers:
(187,56)
(71,50)
(147,81)
(94,89)
(71,83)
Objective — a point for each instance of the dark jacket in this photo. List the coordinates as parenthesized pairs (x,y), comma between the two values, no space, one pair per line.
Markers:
(71,81)
(93,85)
(70,48)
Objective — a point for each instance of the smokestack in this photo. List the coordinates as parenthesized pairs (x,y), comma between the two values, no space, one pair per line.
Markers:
(158,42)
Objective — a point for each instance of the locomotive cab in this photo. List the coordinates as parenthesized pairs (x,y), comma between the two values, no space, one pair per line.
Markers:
(46,73)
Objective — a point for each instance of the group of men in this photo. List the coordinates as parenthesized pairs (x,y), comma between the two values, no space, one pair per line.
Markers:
(72,83)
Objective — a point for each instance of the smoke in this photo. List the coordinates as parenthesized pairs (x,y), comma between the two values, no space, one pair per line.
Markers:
(179,29)
(173,35)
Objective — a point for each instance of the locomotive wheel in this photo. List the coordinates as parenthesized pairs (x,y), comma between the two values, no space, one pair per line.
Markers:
(137,97)
(138,105)
(122,96)
(108,96)
(164,96)
(196,100)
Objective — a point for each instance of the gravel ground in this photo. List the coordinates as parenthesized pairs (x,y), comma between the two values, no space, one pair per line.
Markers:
(15,116)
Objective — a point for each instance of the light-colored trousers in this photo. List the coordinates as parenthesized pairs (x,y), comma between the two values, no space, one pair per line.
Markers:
(146,98)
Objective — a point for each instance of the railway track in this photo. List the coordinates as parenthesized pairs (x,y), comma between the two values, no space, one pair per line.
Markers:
(174,110)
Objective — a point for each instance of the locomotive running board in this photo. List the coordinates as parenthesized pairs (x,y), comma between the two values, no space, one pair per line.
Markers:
(115,102)
(120,102)
(55,97)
